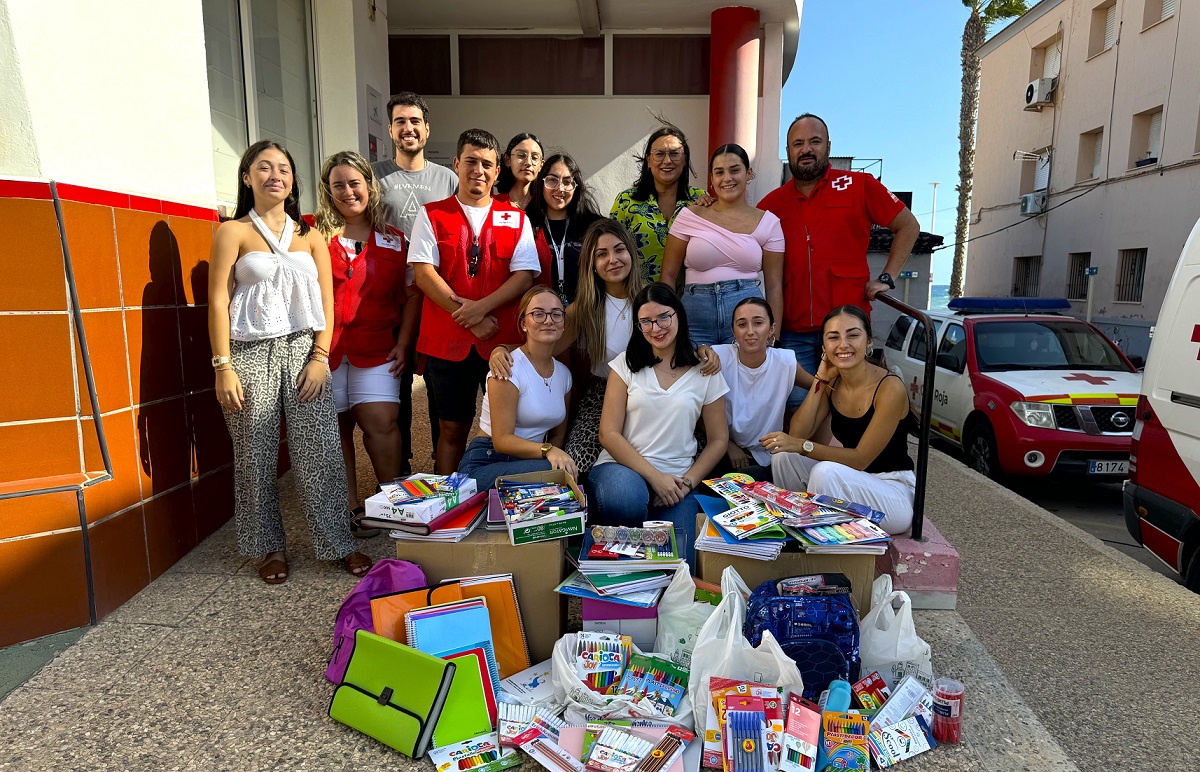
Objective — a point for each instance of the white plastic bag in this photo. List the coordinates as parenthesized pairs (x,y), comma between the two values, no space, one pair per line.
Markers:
(890,644)
(680,618)
(722,651)
(570,691)
(880,589)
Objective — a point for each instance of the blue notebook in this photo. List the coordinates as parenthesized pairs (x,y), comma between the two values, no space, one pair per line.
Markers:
(711,505)
(453,628)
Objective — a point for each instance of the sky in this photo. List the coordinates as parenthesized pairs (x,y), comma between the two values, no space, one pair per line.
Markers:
(886,77)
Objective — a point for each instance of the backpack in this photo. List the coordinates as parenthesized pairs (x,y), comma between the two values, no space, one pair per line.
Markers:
(386,576)
(814,620)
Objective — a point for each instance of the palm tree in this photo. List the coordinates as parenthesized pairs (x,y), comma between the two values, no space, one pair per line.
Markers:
(984,13)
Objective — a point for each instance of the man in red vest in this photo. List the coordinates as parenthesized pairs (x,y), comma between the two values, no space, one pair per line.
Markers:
(827,215)
(473,257)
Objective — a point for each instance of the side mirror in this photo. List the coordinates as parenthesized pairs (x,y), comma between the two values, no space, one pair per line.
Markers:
(1138,362)
(949,362)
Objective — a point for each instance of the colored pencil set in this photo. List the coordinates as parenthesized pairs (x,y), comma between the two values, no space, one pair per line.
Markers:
(669,748)
(660,681)
(600,660)
(801,735)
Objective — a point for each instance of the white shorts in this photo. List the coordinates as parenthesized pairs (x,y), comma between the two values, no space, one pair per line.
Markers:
(356,385)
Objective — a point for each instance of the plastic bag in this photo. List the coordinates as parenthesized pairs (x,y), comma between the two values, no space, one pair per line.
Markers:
(571,692)
(722,651)
(680,618)
(880,589)
(890,644)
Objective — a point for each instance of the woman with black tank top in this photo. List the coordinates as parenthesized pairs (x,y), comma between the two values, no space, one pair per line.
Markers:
(868,411)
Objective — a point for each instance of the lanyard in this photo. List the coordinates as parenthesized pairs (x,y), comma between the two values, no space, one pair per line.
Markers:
(559,249)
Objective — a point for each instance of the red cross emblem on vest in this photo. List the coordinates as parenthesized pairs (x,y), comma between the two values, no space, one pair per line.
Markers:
(843,182)
(505,216)
(1095,380)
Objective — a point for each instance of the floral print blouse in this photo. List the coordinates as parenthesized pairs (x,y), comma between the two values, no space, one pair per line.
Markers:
(649,228)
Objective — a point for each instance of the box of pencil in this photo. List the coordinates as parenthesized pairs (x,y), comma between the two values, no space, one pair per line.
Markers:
(845,741)
(801,733)
(660,681)
(670,747)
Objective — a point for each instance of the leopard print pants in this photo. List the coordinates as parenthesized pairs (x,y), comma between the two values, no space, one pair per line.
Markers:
(583,441)
(268,370)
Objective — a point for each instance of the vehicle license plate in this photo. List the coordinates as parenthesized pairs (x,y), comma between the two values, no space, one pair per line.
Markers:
(1108,467)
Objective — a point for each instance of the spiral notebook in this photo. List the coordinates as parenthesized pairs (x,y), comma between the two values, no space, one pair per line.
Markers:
(508,629)
(453,627)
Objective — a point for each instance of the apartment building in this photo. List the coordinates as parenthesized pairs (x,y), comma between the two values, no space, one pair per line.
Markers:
(1088,158)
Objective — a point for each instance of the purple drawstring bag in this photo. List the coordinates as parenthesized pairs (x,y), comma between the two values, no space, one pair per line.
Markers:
(386,576)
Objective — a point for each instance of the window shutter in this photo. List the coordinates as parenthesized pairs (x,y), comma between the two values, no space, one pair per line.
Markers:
(1168,9)
(1154,146)
(1041,174)
(1099,155)
(1110,27)
(1052,60)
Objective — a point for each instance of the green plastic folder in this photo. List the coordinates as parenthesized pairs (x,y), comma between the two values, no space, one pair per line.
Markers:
(393,693)
(465,714)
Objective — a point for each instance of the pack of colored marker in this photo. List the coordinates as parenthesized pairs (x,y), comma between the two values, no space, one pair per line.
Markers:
(871,692)
(617,751)
(801,734)
(600,660)
(900,741)
(845,741)
(479,754)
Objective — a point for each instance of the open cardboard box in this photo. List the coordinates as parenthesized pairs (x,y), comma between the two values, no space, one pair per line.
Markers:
(549,526)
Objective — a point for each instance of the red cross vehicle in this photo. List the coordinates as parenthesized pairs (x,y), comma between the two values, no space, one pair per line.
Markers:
(1162,494)
(1021,388)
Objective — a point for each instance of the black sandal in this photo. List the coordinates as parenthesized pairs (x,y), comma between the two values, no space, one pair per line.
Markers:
(358,530)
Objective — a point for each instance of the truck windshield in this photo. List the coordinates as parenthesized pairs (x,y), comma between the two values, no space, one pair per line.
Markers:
(1043,344)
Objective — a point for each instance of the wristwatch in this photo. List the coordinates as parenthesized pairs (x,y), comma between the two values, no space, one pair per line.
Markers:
(217,361)
(688,482)
(546,448)
(886,278)
(807,447)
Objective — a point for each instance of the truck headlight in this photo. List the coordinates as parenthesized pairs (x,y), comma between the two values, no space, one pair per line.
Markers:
(1036,414)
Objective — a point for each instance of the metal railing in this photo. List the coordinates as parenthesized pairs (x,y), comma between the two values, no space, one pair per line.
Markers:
(923,428)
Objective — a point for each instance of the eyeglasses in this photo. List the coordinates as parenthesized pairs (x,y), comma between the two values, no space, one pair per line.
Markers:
(554,183)
(663,321)
(533,158)
(661,155)
(473,265)
(539,316)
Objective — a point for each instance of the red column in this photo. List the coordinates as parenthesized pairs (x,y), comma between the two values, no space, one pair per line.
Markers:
(733,80)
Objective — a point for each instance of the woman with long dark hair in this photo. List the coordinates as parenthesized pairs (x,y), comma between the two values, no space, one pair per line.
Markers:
(519,167)
(270,312)
(662,190)
(868,411)
(655,397)
(560,209)
(723,247)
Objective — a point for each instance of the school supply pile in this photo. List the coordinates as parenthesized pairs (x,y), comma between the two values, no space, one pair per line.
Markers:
(541,505)
(453,525)
(641,589)
(417,500)
(609,549)
(714,538)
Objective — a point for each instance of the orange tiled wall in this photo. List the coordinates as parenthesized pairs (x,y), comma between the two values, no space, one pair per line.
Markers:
(140,270)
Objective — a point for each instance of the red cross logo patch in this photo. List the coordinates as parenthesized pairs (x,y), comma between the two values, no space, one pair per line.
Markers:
(843,182)
(505,219)
(914,388)
(1095,380)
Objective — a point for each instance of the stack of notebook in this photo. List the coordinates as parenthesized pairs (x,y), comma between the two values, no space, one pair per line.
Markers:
(641,588)
(613,558)
(453,525)
(713,538)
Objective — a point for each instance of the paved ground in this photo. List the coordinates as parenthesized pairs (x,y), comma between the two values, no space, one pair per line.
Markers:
(1072,655)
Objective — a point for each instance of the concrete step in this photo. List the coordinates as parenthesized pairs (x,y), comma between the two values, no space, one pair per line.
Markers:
(927,570)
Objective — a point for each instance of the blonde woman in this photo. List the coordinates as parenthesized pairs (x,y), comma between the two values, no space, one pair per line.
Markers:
(374,319)
(270,294)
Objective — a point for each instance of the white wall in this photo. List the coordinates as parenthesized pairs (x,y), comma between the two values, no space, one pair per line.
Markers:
(352,55)
(602,133)
(117,96)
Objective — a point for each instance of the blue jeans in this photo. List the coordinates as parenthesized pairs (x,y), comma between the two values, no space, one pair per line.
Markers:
(483,462)
(709,308)
(807,347)
(620,496)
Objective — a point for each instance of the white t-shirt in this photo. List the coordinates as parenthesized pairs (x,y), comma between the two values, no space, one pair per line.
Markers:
(423,248)
(757,396)
(540,406)
(661,423)
(616,331)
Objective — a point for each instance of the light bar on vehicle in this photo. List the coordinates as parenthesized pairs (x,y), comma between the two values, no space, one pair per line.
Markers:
(1008,305)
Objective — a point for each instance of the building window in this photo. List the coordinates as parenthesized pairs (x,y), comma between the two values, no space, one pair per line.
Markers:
(1104,28)
(1131,275)
(1156,11)
(1045,60)
(1077,280)
(419,63)
(660,65)
(1035,171)
(1091,154)
(1027,273)
(281,106)
(1145,138)
(491,65)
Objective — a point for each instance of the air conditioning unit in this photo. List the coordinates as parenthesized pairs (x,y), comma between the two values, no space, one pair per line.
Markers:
(1040,92)
(1033,203)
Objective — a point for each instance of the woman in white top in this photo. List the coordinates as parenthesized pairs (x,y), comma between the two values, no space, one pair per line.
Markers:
(723,247)
(656,395)
(270,294)
(760,378)
(524,419)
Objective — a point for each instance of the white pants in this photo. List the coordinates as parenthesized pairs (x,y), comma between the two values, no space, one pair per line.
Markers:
(891,492)
(356,385)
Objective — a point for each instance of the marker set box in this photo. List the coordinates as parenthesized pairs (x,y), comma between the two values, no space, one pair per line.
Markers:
(514,719)
(617,751)
(479,754)
(600,660)
(900,741)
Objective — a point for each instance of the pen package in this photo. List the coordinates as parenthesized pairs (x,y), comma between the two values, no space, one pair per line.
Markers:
(669,748)
(746,740)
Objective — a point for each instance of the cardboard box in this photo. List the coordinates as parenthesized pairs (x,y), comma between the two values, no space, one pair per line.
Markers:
(379,507)
(550,526)
(859,569)
(536,568)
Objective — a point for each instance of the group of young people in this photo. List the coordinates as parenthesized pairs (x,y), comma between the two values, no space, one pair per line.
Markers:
(637,352)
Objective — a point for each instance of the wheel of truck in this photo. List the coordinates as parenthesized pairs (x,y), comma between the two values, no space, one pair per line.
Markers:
(979,444)
(1191,579)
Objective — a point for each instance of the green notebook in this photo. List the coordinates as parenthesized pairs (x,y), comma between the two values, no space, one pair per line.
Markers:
(393,693)
(465,714)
